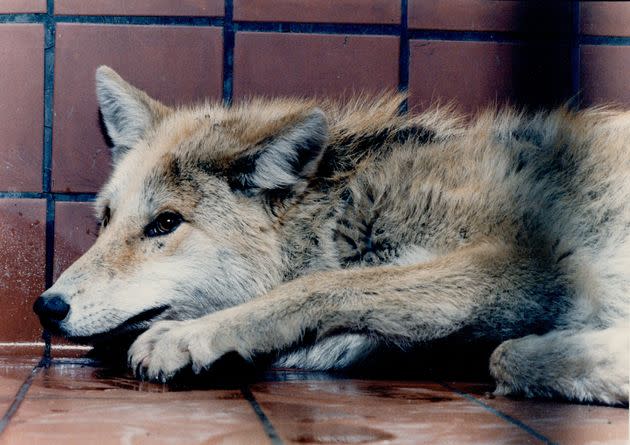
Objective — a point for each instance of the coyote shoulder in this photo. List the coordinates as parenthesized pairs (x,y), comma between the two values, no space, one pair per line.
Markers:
(245,228)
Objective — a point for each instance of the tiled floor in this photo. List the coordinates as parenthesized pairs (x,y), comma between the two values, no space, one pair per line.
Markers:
(73,401)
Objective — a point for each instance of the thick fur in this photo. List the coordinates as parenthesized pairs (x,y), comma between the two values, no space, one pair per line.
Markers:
(357,226)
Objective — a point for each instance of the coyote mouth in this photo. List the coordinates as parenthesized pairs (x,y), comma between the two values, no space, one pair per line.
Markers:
(142,317)
(134,325)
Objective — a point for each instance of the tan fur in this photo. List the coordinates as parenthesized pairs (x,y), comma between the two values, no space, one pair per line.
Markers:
(366,227)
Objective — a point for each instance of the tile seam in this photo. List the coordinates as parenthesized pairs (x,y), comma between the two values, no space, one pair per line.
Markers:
(506,417)
(314,28)
(586,39)
(575,54)
(404,58)
(489,36)
(317,28)
(270,430)
(229,38)
(21,395)
(49,85)
(78,197)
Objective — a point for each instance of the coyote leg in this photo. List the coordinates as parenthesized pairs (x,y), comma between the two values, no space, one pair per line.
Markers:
(482,288)
(585,365)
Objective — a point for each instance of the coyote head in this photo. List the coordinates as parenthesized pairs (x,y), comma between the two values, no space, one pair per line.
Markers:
(187,219)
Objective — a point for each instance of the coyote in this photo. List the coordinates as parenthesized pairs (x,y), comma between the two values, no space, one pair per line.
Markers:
(321,232)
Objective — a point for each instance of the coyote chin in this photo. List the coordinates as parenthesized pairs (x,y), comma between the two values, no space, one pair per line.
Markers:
(320,232)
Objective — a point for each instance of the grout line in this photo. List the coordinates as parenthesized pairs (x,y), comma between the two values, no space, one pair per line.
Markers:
(49,72)
(113,19)
(266,423)
(67,197)
(22,18)
(317,28)
(500,414)
(49,85)
(575,54)
(314,28)
(489,36)
(493,36)
(228,52)
(604,40)
(21,395)
(403,56)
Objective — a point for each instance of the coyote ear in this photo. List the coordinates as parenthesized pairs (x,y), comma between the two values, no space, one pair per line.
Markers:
(284,160)
(127,112)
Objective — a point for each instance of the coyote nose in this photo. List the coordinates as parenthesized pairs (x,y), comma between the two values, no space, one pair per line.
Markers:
(51,308)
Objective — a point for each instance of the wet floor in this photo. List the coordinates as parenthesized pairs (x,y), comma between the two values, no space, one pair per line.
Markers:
(73,401)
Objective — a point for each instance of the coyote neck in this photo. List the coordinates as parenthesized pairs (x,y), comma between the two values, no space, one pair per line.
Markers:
(306,234)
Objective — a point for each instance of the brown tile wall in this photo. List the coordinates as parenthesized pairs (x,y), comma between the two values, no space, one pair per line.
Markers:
(279,64)
(22,6)
(189,8)
(177,64)
(318,11)
(53,157)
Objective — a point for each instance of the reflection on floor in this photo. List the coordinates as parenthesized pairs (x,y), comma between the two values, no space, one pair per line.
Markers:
(73,401)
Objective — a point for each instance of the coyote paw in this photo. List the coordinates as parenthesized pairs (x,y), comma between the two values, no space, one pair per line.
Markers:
(501,364)
(169,346)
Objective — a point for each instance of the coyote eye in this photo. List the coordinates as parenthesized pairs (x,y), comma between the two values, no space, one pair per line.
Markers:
(164,224)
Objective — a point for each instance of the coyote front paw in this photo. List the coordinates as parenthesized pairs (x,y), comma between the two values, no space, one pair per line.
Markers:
(169,346)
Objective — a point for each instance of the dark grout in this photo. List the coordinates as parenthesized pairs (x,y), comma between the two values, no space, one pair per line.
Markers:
(403,55)
(585,39)
(514,421)
(21,395)
(50,30)
(228,52)
(490,36)
(266,423)
(317,28)
(57,196)
(575,52)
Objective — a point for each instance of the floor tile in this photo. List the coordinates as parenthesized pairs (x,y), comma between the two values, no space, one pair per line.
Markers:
(14,371)
(562,423)
(74,404)
(356,411)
